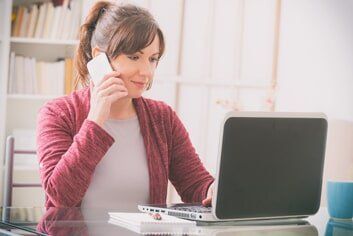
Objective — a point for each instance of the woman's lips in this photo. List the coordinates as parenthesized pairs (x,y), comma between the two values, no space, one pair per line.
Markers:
(139,84)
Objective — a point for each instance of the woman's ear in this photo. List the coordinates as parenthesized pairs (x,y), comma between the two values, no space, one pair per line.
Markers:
(95,51)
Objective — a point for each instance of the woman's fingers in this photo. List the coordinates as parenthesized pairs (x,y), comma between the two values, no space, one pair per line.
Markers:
(110,81)
(116,96)
(207,202)
(114,88)
(107,76)
(103,94)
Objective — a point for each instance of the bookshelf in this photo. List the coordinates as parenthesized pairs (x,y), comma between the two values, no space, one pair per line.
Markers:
(30,97)
(18,110)
(43,41)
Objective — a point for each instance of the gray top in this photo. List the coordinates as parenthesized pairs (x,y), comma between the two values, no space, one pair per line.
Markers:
(121,179)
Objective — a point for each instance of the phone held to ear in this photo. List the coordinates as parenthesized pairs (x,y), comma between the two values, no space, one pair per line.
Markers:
(98,67)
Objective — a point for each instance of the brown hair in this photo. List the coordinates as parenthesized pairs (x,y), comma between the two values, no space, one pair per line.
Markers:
(116,29)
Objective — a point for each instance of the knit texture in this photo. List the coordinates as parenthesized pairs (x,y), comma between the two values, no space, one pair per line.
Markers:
(69,147)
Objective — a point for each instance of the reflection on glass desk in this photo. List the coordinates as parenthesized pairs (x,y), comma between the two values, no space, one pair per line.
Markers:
(76,221)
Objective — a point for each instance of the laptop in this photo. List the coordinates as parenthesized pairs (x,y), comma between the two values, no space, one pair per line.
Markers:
(269,166)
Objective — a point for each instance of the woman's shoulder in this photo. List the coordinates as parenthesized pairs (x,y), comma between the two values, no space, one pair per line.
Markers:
(156,106)
(77,101)
(159,112)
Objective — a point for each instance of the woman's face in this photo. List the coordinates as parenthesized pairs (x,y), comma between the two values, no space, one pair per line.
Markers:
(137,70)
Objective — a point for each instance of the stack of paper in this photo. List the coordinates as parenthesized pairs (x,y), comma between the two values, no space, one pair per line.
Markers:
(143,223)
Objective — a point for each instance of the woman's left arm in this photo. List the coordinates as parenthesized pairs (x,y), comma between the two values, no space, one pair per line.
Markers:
(187,173)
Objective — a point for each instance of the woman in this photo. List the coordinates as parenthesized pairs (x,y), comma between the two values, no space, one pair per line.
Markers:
(106,145)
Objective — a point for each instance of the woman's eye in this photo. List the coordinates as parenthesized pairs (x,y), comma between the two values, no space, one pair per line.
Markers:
(134,58)
(153,59)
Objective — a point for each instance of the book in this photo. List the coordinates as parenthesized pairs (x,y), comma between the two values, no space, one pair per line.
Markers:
(19,74)
(69,76)
(18,21)
(143,223)
(62,17)
(38,71)
(60,78)
(32,74)
(14,20)
(66,28)
(38,33)
(24,23)
(11,84)
(48,21)
(56,21)
(28,85)
(75,22)
(33,21)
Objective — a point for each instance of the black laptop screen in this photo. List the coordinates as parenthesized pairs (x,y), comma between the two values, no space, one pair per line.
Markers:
(271,167)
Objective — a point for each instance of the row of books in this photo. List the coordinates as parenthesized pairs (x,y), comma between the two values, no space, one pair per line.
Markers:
(44,20)
(29,76)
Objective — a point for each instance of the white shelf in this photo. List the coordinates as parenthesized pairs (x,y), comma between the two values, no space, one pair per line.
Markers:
(34,97)
(260,83)
(25,167)
(40,41)
(160,79)
(223,83)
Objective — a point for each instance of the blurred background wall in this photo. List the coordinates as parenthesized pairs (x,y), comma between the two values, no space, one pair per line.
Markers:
(315,73)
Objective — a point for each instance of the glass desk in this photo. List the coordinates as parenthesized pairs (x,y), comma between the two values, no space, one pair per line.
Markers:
(76,221)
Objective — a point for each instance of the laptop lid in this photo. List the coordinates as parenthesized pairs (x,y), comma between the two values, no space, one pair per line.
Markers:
(270,165)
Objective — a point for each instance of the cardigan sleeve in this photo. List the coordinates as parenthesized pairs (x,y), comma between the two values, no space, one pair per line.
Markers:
(187,173)
(51,222)
(67,162)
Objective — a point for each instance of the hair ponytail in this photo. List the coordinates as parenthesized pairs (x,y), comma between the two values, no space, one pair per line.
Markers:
(84,51)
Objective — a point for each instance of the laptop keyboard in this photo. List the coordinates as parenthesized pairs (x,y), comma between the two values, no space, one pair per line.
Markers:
(195,209)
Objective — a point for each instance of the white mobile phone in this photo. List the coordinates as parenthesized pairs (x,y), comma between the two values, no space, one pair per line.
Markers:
(98,67)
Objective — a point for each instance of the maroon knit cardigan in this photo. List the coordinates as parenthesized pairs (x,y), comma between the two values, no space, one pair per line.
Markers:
(69,148)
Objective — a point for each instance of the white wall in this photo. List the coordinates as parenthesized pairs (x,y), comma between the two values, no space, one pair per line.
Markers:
(315,73)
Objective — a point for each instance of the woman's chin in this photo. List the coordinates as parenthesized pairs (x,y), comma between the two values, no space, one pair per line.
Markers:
(134,94)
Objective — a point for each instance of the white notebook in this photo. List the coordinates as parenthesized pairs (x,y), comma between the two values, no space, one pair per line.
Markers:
(144,224)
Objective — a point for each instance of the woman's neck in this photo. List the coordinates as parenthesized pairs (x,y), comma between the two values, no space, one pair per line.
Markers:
(122,109)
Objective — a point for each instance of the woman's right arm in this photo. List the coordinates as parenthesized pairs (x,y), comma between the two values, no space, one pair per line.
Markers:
(67,163)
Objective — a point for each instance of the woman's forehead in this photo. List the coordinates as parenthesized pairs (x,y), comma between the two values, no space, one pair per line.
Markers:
(153,48)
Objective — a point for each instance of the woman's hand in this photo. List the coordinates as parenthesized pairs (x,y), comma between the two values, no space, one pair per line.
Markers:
(107,91)
(208,200)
